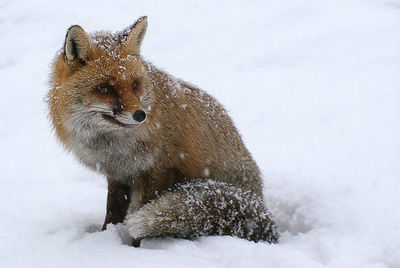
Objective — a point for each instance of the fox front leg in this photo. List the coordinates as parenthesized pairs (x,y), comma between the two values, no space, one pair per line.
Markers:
(118,198)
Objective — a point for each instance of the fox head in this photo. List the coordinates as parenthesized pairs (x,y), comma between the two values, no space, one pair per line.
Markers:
(100,82)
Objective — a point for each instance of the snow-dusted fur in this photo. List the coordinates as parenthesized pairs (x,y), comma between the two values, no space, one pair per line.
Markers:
(204,208)
(153,166)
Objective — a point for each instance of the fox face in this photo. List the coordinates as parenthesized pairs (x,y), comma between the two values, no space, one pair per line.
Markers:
(113,101)
(102,81)
(110,95)
(102,97)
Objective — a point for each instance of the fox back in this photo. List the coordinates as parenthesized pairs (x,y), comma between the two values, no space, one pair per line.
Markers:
(144,129)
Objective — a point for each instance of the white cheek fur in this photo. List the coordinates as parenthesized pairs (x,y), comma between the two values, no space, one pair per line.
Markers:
(105,147)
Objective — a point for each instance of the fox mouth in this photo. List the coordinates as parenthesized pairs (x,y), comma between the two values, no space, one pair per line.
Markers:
(111,119)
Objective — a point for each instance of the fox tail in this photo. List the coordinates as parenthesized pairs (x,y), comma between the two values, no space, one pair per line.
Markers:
(204,208)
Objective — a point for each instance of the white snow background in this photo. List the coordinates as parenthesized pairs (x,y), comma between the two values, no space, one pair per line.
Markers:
(313,86)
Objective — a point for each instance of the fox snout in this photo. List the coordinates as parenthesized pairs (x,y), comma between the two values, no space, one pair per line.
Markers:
(119,116)
(139,115)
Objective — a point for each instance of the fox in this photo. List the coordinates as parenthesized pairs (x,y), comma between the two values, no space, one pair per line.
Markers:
(175,164)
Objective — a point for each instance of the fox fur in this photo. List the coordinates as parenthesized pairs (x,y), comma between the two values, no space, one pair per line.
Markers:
(175,163)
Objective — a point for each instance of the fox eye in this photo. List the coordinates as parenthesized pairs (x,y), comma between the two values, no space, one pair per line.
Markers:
(104,90)
(135,85)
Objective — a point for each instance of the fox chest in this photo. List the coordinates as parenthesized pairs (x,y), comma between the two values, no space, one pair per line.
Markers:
(113,156)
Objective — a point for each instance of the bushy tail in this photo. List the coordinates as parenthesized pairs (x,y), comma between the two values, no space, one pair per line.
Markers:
(204,208)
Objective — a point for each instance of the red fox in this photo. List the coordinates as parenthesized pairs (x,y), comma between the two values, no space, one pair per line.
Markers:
(175,164)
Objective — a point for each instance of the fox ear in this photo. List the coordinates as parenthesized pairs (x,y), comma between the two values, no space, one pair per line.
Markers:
(135,37)
(77,45)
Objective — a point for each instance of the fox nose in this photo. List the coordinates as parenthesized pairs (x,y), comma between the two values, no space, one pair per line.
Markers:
(139,115)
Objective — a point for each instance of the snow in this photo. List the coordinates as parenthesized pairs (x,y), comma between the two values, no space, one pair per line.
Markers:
(313,87)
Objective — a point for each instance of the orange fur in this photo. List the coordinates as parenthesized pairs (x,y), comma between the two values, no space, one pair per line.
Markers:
(187,134)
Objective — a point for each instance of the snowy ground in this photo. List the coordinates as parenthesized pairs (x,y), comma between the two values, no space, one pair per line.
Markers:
(313,86)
